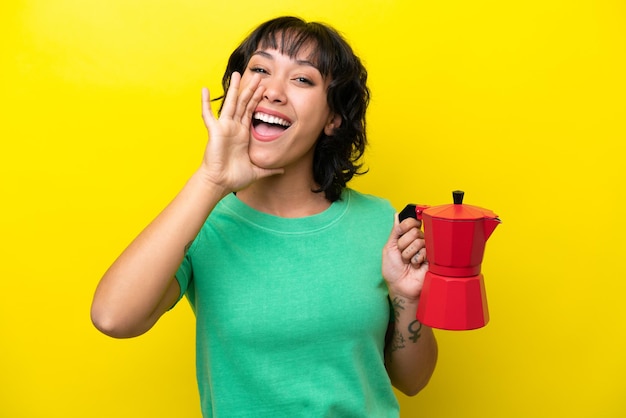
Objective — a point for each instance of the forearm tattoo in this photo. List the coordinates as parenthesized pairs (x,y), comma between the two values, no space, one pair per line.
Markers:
(398,339)
(414,329)
(398,306)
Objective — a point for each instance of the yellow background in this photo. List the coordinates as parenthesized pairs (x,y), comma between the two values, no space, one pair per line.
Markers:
(521,104)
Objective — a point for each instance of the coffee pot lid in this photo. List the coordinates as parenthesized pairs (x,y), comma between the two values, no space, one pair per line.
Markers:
(458,210)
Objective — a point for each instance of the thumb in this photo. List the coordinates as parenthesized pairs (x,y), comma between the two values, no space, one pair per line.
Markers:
(268,172)
(396,232)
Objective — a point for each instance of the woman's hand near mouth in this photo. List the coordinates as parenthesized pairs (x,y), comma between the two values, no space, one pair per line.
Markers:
(226,161)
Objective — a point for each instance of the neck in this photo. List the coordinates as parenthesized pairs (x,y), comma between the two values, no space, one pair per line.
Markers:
(276,196)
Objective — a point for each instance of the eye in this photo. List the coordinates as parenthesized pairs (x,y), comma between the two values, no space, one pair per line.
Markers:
(258,70)
(304,80)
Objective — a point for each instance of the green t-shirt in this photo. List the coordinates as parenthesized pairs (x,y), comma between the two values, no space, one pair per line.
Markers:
(291,313)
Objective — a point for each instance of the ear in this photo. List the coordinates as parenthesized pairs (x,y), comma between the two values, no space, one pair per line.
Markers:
(333,123)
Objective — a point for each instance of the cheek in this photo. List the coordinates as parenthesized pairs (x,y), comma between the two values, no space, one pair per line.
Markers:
(316,113)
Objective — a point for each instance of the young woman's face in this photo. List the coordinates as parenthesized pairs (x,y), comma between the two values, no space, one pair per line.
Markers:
(293,112)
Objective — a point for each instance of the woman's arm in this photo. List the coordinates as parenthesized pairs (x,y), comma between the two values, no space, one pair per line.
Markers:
(411,349)
(140,285)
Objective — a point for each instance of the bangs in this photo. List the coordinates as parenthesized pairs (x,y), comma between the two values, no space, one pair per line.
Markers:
(291,41)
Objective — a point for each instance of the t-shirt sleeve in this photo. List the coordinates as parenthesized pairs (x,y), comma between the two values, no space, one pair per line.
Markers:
(184,274)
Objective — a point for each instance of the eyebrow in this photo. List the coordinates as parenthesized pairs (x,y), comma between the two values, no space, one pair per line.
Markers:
(299,62)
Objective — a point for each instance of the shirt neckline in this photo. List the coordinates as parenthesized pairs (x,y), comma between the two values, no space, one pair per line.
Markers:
(322,220)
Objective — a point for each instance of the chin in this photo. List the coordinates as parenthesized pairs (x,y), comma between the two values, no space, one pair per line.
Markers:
(264,161)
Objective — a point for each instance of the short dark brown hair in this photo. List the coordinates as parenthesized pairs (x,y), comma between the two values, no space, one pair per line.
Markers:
(337,157)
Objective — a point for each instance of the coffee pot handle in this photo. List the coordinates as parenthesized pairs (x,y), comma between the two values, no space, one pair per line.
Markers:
(412,211)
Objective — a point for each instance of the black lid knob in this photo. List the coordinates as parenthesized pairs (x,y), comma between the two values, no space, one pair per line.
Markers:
(457,196)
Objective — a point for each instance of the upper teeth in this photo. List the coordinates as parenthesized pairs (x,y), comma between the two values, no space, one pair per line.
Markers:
(274,120)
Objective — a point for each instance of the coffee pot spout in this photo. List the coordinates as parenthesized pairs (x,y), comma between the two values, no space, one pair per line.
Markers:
(490,226)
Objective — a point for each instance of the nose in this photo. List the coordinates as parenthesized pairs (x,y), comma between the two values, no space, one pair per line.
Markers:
(274,90)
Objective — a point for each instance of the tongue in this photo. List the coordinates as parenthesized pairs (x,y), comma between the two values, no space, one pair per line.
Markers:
(267,129)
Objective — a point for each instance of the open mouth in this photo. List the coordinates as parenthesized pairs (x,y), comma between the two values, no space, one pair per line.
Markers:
(269,125)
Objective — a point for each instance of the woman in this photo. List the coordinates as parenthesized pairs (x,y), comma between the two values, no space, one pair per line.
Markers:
(280,261)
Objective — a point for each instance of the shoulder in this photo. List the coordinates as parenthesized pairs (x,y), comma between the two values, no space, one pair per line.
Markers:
(366,209)
(367,201)
(223,218)
(368,220)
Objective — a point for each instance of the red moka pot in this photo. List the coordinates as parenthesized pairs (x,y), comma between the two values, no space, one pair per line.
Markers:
(453,296)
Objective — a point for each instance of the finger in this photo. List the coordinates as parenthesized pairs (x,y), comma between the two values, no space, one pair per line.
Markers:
(246,119)
(230,101)
(411,223)
(249,97)
(409,237)
(413,250)
(419,258)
